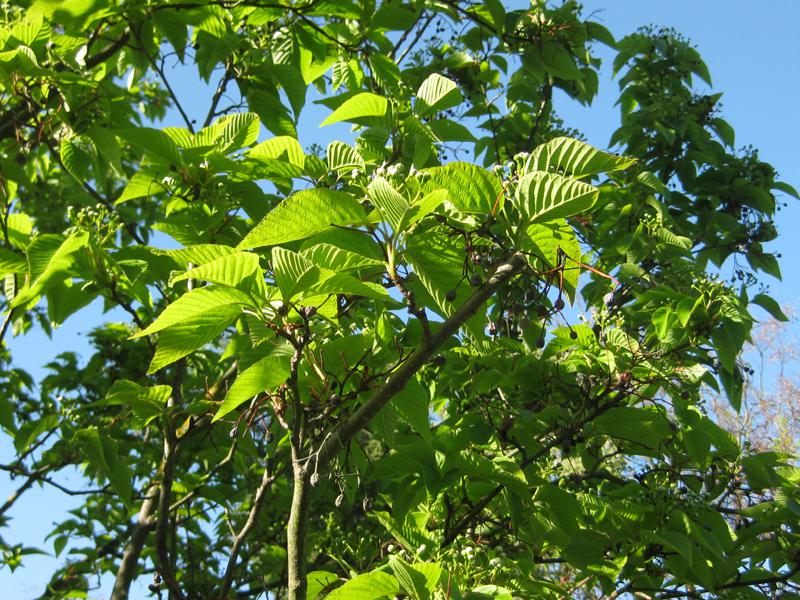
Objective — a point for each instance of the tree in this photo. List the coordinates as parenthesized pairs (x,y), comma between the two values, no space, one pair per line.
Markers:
(770,417)
(352,373)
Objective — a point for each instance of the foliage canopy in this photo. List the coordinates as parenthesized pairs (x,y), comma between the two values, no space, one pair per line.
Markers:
(351,371)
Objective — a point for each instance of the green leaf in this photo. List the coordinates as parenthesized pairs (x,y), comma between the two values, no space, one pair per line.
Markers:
(413,402)
(771,306)
(230,132)
(646,427)
(318,581)
(413,582)
(77,155)
(331,283)
(367,586)
(197,254)
(572,157)
(274,115)
(263,376)
(726,347)
(436,93)
(283,147)
(341,156)
(102,454)
(786,189)
(11,262)
(178,341)
(235,270)
(470,188)
(146,402)
(546,197)
(293,272)
(547,239)
(391,204)
(50,259)
(677,542)
(663,319)
(652,181)
(155,143)
(141,185)
(222,302)
(733,384)
(304,214)
(446,130)
(365,104)
(328,256)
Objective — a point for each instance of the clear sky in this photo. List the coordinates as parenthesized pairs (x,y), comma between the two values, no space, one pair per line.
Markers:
(753,54)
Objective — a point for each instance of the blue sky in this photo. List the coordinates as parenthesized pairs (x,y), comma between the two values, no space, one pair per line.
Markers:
(754,58)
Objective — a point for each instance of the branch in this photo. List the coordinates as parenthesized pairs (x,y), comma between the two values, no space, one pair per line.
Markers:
(15,495)
(127,568)
(165,492)
(468,518)
(342,434)
(258,502)
(10,120)
(415,41)
(165,81)
(223,85)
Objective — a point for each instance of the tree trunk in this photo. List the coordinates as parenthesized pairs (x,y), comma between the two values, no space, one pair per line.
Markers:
(297,531)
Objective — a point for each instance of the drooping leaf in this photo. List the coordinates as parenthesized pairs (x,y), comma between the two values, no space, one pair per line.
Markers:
(413,582)
(155,143)
(147,402)
(317,582)
(230,132)
(102,454)
(643,426)
(141,185)
(50,258)
(554,242)
(197,254)
(328,256)
(11,262)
